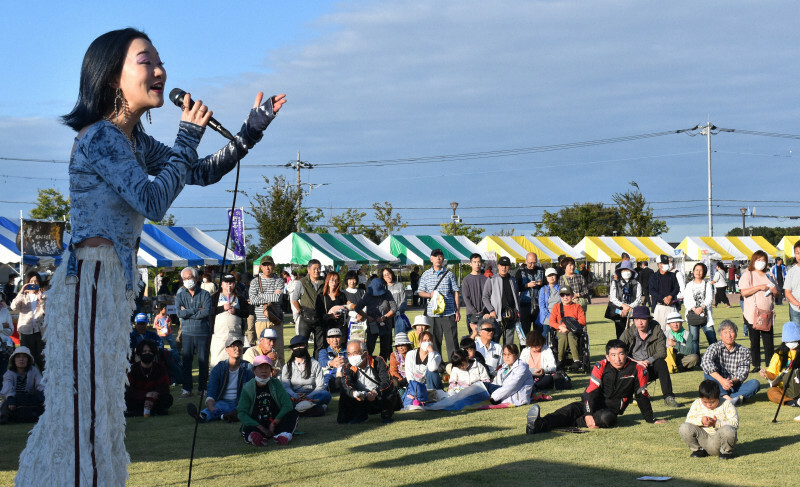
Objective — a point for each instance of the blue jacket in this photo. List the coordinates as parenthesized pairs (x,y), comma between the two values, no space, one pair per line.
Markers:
(543,318)
(194,316)
(136,339)
(655,294)
(218,380)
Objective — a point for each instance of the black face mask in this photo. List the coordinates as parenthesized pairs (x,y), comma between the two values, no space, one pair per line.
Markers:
(300,353)
(147,358)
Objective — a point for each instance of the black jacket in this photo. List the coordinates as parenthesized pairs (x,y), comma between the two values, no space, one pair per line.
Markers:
(614,389)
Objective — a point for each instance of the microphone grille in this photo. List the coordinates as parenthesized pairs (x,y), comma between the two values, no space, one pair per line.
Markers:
(176,96)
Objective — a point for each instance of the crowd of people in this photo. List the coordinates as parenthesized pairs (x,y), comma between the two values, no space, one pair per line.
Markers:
(236,333)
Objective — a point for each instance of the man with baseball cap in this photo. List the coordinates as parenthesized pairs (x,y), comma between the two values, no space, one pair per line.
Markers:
(500,298)
(435,283)
(332,359)
(266,345)
(664,289)
(225,383)
(140,333)
(647,346)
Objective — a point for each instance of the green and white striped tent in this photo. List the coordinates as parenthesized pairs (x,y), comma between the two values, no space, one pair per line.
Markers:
(416,249)
(331,249)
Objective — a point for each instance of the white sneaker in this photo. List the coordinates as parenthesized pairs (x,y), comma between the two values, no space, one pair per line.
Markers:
(797,418)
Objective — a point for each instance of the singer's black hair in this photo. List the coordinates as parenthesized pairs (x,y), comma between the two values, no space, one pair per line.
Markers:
(102,63)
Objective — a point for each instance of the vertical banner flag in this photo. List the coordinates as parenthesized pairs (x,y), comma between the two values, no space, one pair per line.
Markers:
(237,232)
(41,238)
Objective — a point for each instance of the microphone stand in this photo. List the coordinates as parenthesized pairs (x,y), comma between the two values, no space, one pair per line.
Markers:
(219,286)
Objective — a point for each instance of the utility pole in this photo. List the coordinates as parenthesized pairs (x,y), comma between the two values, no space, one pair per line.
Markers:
(744,213)
(298,165)
(708,130)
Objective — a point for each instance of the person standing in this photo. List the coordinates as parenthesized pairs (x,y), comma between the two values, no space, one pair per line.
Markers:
(759,290)
(30,303)
(575,282)
(732,278)
(645,272)
(266,290)
(664,291)
(779,272)
(414,278)
(472,288)
(8,289)
(720,285)
(194,307)
(792,286)
(625,294)
(304,297)
(226,320)
(438,280)
(501,302)
(119,175)
(530,279)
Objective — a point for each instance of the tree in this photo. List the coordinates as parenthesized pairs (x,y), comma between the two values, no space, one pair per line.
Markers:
(470,231)
(774,235)
(506,232)
(169,220)
(572,223)
(388,222)
(637,214)
(351,221)
(276,215)
(51,205)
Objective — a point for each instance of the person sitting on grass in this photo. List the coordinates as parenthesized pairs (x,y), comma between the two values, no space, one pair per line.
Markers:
(490,350)
(728,363)
(367,387)
(421,323)
(781,373)
(513,382)
(225,383)
(23,389)
(265,409)
(614,382)
(267,345)
(541,363)
(648,347)
(397,360)
(422,364)
(567,309)
(147,392)
(679,346)
(332,360)
(710,427)
(303,380)
(464,372)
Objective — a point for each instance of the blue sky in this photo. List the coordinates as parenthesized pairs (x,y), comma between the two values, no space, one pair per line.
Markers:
(380,80)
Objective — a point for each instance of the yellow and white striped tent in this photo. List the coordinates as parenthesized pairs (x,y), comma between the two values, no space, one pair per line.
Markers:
(610,249)
(517,247)
(725,248)
(786,247)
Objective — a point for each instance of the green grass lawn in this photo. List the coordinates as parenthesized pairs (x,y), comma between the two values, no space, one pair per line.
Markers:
(466,448)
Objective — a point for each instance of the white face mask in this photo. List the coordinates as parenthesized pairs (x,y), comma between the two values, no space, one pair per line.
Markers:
(791,345)
(424,345)
(188,284)
(760,265)
(355,361)
(261,381)
(205,280)
(664,267)
(626,275)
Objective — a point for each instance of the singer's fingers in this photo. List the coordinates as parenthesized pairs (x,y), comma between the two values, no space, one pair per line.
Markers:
(278,101)
(259,97)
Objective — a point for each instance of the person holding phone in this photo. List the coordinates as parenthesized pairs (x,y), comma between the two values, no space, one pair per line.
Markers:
(30,304)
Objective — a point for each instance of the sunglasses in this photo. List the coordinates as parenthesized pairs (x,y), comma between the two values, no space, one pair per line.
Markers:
(487,329)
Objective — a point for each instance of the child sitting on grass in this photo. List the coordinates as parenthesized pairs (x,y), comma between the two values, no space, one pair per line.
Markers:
(710,427)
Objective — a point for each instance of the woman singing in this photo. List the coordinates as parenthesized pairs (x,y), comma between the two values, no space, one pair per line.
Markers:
(79,438)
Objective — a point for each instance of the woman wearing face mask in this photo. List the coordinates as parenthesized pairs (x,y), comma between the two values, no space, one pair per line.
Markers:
(758,289)
(378,307)
(422,364)
(208,285)
(147,392)
(265,409)
(698,297)
(513,383)
(304,381)
(226,319)
(779,374)
(625,293)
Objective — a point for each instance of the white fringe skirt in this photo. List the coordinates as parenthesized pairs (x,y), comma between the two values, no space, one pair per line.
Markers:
(79,440)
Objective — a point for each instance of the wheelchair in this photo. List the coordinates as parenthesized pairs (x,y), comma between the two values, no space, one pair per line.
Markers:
(583,362)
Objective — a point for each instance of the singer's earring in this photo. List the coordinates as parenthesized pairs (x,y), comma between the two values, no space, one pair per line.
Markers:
(149,120)
(125,110)
(117,101)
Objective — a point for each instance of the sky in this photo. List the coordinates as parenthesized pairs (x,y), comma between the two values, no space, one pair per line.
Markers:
(520,86)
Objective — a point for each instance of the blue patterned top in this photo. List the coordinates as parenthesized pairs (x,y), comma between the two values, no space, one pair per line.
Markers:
(111,193)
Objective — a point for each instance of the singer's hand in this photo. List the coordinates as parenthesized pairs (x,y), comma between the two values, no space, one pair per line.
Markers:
(199,114)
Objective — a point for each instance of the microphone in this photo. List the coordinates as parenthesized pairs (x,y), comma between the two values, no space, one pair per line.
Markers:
(176,96)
